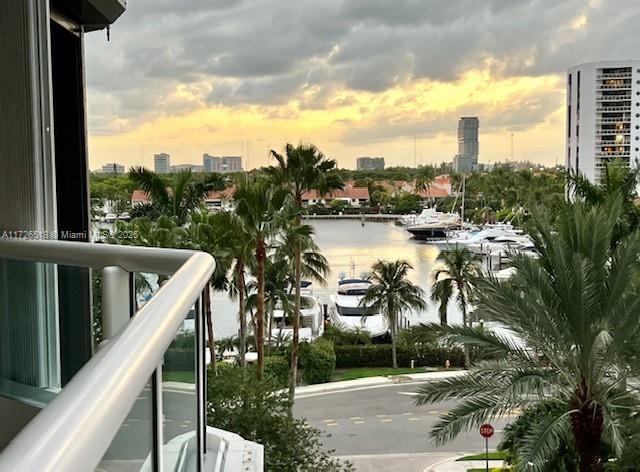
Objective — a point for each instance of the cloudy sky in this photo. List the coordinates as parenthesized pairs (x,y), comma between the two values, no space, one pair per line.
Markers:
(355,77)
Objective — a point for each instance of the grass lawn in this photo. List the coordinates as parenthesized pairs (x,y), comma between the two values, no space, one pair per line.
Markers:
(361,372)
(493,455)
(179,376)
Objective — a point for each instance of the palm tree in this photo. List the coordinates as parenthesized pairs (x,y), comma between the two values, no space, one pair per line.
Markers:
(276,282)
(210,234)
(426,176)
(261,208)
(575,312)
(302,169)
(392,294)
(177,198)
(238,244)
(461,269)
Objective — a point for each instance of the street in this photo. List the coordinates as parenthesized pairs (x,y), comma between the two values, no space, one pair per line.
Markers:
(383,420)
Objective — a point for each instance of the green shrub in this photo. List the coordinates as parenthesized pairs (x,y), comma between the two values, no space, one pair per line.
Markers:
(318,361)
(259,411)
(379,355)
(341,336)
(179,359)
(277,368)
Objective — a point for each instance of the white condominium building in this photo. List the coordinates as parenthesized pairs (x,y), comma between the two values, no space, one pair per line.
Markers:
(603,116)
(162,163)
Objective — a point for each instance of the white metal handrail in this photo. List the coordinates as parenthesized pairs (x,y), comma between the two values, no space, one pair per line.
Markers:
(74,431)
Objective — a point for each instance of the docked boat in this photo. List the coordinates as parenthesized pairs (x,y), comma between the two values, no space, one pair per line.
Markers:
(477,237)
(432,225)
(501,245)
(351,313)
(311,318)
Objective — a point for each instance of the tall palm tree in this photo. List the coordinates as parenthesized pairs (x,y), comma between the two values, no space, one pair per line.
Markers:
(239,245)
(301,169)
(210,234)
(261,208)
(392,293)
(276,291)
(426,176)
(178,197)
(461,269)
(575,312)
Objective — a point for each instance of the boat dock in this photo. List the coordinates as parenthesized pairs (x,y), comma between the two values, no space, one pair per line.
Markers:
(365,217)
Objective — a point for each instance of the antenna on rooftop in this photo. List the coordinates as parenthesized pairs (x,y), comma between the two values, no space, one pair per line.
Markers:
(512,147)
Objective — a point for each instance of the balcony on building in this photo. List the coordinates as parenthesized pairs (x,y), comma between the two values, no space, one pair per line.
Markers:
(102,359)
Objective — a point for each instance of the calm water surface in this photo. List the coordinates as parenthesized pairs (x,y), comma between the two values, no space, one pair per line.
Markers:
(351,249)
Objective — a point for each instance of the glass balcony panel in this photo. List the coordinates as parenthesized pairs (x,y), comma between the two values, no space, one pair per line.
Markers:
(29,360)
(131,448)
(179,400)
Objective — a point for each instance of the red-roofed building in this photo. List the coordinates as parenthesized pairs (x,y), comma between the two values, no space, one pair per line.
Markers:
(220,199)
(139,197)
(354,196)
(440,188)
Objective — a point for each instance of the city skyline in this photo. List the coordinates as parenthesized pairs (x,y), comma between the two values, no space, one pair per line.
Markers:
(356,78)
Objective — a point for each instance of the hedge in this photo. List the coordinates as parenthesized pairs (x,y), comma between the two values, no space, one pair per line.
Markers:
(277,367)
(318,361)
(379,355)
(179,359)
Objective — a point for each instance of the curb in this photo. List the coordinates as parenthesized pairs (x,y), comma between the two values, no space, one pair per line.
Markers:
(372,382)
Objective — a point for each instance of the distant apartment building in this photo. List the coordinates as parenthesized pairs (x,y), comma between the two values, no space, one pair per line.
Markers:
(162,163)
(221,164)
(186,167)
(370,163)
(603,116)
(468,146)
(112,168)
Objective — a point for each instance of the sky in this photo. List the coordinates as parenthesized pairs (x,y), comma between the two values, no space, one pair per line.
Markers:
(355,77)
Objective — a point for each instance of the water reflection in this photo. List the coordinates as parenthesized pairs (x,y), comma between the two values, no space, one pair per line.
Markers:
(351,249)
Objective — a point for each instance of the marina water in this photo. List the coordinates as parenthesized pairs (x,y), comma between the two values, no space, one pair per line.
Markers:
(351,248)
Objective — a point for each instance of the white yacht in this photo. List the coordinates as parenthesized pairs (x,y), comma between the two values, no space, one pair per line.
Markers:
(351,313)
(501,245)
(311,319)
(433,225)
(475,237)
(427,216)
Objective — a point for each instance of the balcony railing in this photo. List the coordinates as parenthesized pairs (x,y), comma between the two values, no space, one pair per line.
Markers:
(624,142)
(613,98)
(601,109)
(624,120)
(75,430)
(613,75)
(626,86)
(612,132)
(613,153)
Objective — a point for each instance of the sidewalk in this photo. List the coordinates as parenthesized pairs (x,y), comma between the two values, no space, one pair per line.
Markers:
(452,465)
(417,462)
(373,382)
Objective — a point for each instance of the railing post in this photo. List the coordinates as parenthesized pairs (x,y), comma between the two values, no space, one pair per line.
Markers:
(116,301)
(201,381)
(157,418)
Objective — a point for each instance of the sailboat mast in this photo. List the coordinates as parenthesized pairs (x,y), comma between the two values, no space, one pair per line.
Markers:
(464,188)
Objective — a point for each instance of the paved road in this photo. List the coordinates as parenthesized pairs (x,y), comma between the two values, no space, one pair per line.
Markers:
(382,420)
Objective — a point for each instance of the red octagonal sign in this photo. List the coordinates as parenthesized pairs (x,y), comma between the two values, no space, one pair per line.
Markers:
(486,430)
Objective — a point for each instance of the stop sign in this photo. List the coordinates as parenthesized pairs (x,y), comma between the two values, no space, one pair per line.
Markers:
(486,430)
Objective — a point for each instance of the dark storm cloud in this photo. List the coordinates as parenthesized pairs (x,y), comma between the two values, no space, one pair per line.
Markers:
(268,51)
